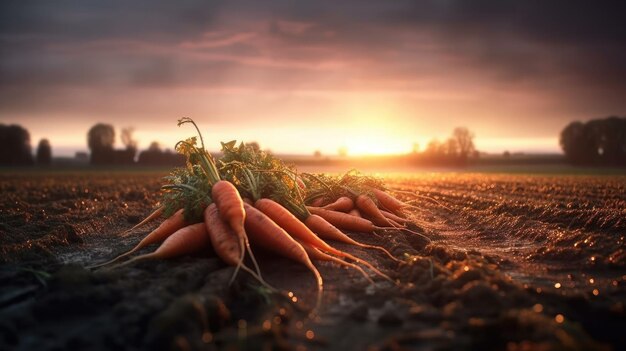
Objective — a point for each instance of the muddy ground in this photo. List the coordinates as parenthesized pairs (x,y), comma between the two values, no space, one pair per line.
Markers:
(516,262)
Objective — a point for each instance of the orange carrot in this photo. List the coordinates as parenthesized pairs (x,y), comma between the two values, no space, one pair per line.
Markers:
(369,209)
(318,201)
(417,196)
(298,230)
(316,254)
(342,204)
(164,230)
(223,239)
(392,217)
(328,231)
(264,232)
(355,224)
(226,243)
(389,202)
(344,221)
(154,215)
(355,212)
(300,183)
(230,206)
(184,241)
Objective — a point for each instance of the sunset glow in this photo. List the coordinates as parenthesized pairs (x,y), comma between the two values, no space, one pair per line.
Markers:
(300,78)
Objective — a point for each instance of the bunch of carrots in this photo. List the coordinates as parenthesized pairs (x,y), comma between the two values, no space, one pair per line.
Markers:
(248,196)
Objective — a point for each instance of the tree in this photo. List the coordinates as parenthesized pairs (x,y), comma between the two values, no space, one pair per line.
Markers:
(15,149)
(101,136)
(464,140)
(100,140)
(127,138)
(451,148)
(154,147)
(571,141)
(433,148)
(596,142)
(44,153)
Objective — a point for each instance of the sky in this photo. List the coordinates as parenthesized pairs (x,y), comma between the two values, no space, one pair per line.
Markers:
(295,76)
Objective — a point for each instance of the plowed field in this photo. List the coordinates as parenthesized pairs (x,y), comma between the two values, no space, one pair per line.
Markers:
(515,262)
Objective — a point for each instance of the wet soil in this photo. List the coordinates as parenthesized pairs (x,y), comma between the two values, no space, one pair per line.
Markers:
(516,262)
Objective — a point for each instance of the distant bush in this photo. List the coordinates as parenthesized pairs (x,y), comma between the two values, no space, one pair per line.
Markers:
(44,153)
(15,149)
(600,142)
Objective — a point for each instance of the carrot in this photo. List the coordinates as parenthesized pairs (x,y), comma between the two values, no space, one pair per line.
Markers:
(266,233)
(183,241)
(389,202)
(355,212)
(392,217)
(345,221)
(226,243)
(318,201)
(403,222)
(291,224)
(154,215)
(298,230)
(164,230)
(328,231)
(230,206)
(316,254)
(369,209)
(396,206)
(342,204)
(355,224)
(300,183)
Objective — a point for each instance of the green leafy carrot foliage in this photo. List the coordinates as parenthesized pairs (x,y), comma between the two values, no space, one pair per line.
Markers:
(189,189)
(331,187)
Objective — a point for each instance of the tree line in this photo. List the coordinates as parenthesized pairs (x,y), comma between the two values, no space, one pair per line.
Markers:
(15,149)
(598,142)
(101,140)
(457,150)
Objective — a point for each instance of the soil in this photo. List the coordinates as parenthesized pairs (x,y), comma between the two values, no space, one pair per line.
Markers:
(516,262)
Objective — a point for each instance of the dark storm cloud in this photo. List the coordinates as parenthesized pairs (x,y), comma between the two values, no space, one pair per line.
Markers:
(547,44)
(78,20)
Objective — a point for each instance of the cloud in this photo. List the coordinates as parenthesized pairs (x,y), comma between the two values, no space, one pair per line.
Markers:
(558,57)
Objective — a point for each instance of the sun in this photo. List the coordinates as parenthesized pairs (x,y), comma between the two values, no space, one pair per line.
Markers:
(372,145)
(374,131)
